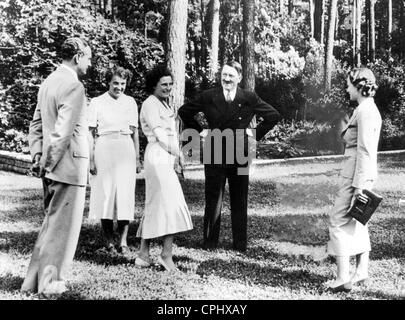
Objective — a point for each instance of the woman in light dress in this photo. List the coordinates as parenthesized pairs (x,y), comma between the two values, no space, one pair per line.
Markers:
(166,212)
(348,237)
(114,158)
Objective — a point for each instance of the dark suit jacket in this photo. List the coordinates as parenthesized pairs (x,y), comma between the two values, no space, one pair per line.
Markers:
(235,115)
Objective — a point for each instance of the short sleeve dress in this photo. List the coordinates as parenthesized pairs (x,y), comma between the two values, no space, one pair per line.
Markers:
(113,187)
(166,211)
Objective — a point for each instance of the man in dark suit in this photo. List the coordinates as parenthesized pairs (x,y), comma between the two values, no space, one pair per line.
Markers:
(228,111)
(58,139)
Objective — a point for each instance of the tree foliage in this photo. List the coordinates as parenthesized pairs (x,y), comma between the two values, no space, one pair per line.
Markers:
(33,31)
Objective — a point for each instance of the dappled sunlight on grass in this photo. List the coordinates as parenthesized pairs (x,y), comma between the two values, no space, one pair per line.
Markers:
(287,232)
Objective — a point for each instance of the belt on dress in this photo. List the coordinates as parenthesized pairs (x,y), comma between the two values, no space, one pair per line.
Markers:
(115,134)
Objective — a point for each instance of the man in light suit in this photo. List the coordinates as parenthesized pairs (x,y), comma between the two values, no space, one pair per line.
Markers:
(59,148)
(229,111)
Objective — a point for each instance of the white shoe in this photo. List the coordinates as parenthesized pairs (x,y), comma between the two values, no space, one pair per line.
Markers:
(48,285)
(139,262)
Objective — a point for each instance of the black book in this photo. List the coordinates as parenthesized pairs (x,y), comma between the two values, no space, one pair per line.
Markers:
(362,212)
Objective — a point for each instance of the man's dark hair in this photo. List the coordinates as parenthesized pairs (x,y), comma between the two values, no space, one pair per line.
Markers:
(153,76)
(234,64)
(118,71)
(73,46)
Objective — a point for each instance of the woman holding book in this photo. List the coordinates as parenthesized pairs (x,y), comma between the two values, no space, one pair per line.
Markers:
(348,237)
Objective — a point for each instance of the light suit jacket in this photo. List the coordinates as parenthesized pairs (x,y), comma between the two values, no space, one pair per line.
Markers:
(59,128)
(361,135)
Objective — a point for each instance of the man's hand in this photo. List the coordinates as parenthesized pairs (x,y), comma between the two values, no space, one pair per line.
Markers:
(37,169)
(93,169)
(252,147)
(358,194)
(138,165)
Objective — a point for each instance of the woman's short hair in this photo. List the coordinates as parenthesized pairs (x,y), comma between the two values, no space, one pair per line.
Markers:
(153,76)
(71,47)
(118,71)
(364,80)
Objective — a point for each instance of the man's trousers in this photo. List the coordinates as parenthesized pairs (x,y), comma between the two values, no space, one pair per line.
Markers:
(215,179)
(57,240)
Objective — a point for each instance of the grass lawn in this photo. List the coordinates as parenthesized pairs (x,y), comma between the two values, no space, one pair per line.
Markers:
(288,207)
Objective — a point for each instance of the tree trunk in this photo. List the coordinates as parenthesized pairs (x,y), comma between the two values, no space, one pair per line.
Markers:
(203,52)
(358,32)
(389,26)
(368,28)
(281,6)
(312,17)
(248,49)
(105,8)
(329,44)
(354,30)
(176,48)
(402,21)
(214,7)
(113,13)
(290,7)
(319,13)
(372,30)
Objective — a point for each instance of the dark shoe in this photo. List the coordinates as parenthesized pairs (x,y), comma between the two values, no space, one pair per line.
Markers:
(240,247)
(209,246)
(339,287)
(111,248)
(124,250)
(358,280)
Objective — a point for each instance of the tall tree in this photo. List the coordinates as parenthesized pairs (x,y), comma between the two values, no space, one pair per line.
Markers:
(203,51)
(213,10)
(290,7)
(402,28)
(312,16)
(372,30)
(248,47)
(358,32)
(389,26)
(176,48)
(354,22)
(281,6)
(329,44)
(319,18)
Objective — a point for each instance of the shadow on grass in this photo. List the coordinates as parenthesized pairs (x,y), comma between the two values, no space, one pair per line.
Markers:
(254,273)
(9,283)
(25,205)
(297,229)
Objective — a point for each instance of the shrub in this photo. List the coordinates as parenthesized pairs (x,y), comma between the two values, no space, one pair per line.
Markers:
(299,138)
(32,33)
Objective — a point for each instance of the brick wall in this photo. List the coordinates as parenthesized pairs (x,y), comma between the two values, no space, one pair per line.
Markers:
(16,162)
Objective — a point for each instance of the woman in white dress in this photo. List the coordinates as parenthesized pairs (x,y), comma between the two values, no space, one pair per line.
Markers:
(114,158)
(166,212)
(348,237)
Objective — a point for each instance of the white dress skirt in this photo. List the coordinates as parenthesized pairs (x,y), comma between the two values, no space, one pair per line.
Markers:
(113,187)
(166,211)
(347,236)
